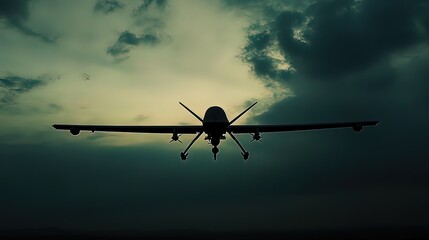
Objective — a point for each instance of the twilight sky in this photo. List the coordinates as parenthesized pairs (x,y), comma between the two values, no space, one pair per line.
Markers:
(131,62)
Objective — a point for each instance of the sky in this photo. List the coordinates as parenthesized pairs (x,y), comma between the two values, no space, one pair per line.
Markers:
(131,62)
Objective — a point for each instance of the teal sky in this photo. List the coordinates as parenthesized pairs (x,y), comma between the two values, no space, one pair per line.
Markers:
(131,62)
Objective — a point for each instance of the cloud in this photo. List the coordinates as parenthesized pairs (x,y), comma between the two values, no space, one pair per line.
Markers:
(331,39)
(13,86)
(146,4)
(262,56)
(168,55)
(148,21)
(144,187)
(127,39)
(347,61)
(108,6)
(16,13)
(264,10)
(14,10)
(342,37)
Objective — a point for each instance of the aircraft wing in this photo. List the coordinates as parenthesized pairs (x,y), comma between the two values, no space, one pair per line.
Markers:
(75,129)
(357,126)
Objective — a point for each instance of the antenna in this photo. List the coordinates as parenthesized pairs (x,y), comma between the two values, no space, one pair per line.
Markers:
(195,115)
(241,114)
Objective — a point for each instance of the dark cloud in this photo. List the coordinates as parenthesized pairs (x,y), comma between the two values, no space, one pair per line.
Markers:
(16,13)
(387,156)
(151,24)
(127,39)
(148,187)
(349,60)
(347,36)
(108,6)
(146,4)
(258,53)
(331,39)
(12,86)
(14,10)
(255,9)
(92,180)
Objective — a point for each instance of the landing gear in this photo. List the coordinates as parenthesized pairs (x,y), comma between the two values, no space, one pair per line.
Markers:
(184,154)
(215,151)
(243,151)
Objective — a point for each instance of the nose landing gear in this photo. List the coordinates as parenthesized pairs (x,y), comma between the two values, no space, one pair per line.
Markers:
(215,151)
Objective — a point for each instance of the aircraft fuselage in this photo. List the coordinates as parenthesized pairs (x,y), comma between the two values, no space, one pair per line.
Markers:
(215,124)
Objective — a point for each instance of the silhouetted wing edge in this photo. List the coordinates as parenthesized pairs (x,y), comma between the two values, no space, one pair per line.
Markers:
(131,129)
(357,126)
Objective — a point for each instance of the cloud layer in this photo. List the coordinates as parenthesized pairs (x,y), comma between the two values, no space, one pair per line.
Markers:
(12,86)
(308,61)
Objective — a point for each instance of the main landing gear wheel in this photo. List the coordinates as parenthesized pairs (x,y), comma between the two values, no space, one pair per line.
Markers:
(243,151)
(184,154)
